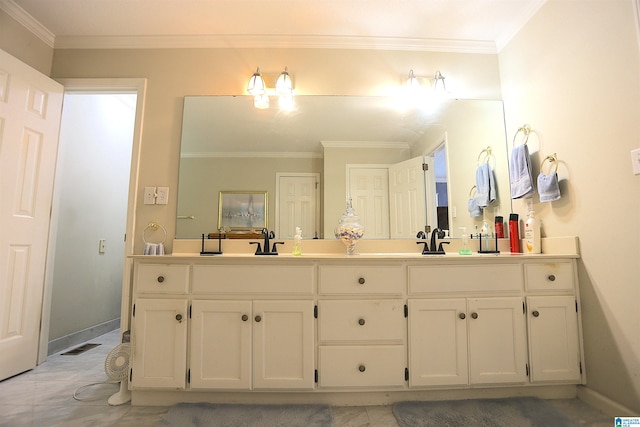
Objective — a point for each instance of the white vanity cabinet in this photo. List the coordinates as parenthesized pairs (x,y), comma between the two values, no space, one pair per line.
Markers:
(553,322)
(159,326)
(241,342)
(460,340)
(361,326)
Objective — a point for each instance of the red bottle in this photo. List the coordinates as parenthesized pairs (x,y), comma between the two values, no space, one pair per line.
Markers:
(514,233)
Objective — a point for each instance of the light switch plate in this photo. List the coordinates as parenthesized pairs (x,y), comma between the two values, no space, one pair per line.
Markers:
(149,195)
(162,196)
(101,245)
(635,161)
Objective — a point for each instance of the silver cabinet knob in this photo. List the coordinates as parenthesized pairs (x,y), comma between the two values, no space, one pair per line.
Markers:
(361,280)
(362,368)
(160,279)
(474,315)
(361,322)
(462,316)
(551,278)
(179,317)
(535,313)
(245,317)
(258,318)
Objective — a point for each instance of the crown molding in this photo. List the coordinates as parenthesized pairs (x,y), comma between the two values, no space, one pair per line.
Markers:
(251,154)
(365,144)
(267,41)
(27,21)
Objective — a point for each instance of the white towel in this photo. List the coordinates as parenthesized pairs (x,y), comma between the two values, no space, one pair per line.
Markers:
(548,187)
(485,185)
(520,172)
(150,248)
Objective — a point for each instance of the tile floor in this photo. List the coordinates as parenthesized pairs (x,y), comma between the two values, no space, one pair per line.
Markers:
(44,397)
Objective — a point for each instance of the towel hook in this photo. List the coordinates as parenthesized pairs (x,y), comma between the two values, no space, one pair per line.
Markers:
(526,129)
(553,159)
(154,226)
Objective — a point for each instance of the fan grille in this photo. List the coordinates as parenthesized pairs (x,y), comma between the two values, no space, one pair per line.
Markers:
(116,365)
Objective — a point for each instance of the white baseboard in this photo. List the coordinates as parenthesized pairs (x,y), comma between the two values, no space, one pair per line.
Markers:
(79,337)
(603,403)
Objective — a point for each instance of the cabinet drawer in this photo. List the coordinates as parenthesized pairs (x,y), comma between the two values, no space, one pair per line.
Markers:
(375,320)
(549,276)
(465,278)
(361,366)
(379,280)
(162,278)
(252,279)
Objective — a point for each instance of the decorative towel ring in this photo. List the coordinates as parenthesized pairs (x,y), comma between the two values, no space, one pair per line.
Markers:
(526,129)
(487,152)
(471,191)
(154,226)
(553,159)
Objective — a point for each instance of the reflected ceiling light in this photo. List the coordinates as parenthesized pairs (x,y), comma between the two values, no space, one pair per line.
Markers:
(284,85)
(256,84)
(286,102)
(412,83)
(261,101)
(439,87)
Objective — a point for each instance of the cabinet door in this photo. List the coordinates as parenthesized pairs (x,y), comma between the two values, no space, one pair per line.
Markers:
(497,343)
(159,343)
(437,342)
(221,344)
(283,345)
(553,339)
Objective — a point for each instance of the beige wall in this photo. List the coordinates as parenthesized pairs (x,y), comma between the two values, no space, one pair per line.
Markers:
(173,73)
(573,74)
(22,44)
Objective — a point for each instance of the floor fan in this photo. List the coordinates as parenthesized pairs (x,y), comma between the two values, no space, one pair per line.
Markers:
(116,366)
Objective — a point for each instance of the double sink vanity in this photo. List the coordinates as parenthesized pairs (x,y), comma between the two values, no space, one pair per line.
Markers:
(385,324)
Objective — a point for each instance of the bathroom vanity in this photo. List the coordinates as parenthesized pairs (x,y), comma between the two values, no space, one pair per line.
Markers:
(363,329)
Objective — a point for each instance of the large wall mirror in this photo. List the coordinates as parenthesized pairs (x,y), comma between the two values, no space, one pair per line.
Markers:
(309,161)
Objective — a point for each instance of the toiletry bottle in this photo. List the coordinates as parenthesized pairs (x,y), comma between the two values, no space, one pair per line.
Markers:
(531,235)
(499,227)
(297,242)
(514,233)
(465,243)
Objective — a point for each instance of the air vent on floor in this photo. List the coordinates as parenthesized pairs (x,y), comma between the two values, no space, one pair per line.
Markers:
(80,349)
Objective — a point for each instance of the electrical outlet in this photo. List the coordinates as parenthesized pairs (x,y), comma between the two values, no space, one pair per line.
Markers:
(162,196)
(635,161)
(149,195)
(101,245)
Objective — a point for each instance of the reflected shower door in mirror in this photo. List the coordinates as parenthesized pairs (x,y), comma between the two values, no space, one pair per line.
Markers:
(228,145)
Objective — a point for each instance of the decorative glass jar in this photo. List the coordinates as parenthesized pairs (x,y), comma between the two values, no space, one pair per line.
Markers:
(349,229)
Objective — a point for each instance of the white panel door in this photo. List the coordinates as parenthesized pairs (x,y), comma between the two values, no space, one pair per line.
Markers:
(407,203)
(297,205)
(30,108)
(369,192)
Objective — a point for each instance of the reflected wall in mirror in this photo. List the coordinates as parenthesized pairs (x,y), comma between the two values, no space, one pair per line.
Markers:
(228,145)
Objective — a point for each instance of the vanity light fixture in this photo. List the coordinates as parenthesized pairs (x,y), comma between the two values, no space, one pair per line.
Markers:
(412,83)
(284,85)
(439,87)
(261,101)
(256,84)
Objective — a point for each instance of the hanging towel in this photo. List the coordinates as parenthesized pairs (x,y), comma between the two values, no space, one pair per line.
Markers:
(150,248)
(485,185)
(548,187)
(160,249)
(520,172)
(474,209)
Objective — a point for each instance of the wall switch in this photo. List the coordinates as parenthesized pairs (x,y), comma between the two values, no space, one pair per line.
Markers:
(149,195)
(162,196)
(101,245)
(635,161)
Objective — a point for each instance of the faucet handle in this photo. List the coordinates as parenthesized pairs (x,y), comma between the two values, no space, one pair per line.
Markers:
(275,249)
(440,249)
(259,248)
(425,248)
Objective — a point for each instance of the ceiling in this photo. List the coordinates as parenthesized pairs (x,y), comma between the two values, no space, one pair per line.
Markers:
(483,26)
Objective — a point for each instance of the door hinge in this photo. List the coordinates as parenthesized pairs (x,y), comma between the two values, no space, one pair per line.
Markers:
(425,167)
(580,367)
(125,237)
(315,311)
(526,367)
(406,310)
(406,374)
(524,307)
(131,375)
(316,185)
(134,310)
(315,375)
(190,307)
(188,376)
(576,306)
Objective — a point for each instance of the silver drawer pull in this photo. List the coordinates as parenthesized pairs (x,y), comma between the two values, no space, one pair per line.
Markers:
(551,278)
(160,279)
(362,368)
(361,322)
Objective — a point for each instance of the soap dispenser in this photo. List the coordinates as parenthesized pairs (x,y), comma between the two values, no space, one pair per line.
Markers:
(465,243)
(297,242)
